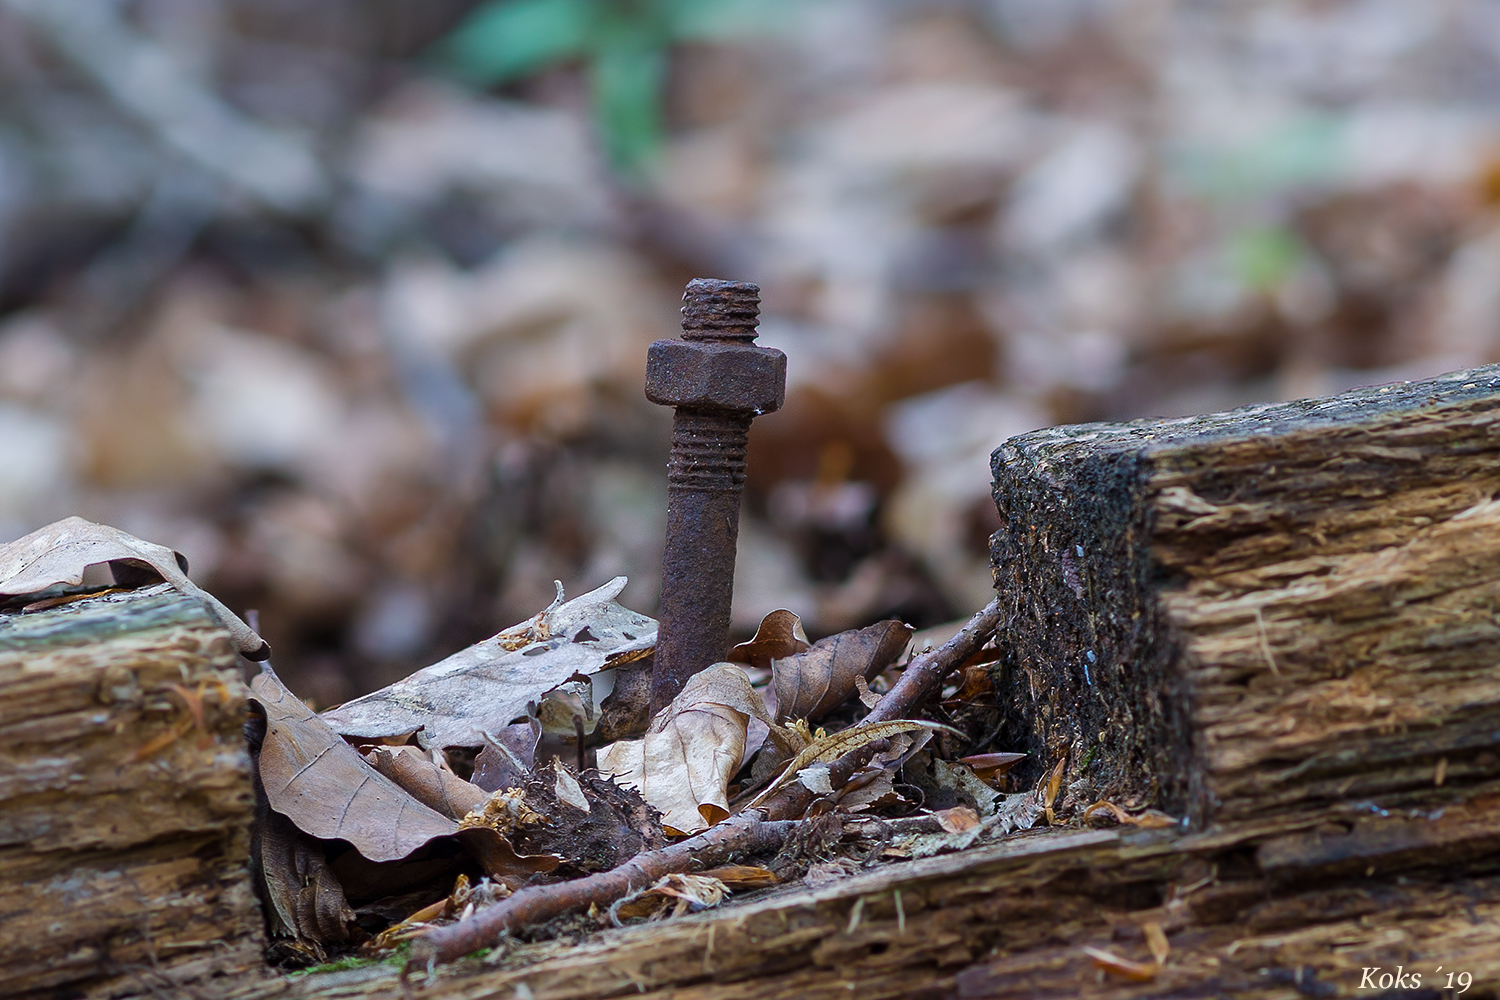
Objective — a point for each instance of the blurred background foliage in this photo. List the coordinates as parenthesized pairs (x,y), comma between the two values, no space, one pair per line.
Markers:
(349,301)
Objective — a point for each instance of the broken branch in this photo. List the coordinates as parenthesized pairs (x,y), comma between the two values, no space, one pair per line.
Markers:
(762,828)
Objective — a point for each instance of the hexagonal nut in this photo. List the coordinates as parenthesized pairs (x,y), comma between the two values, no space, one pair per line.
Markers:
(716,375)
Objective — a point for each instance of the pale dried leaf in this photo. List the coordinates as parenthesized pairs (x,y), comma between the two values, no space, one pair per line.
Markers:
(324,786)
(811,684)
(60,553)
(780,635)
(692,749)
(487,686)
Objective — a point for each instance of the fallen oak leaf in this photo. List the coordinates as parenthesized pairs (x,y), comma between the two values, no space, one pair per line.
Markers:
(61,553)
(326,788)
(692,749)
(810,684)
(488,685)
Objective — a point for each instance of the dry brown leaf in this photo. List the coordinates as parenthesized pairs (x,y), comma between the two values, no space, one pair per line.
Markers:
(1136,972)
(435,787)
(692,749)
(490,684)
(60,553)
(324,786)
(780,635)
(813,683)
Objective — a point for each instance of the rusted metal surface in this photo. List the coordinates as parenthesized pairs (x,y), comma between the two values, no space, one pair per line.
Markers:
(719,380)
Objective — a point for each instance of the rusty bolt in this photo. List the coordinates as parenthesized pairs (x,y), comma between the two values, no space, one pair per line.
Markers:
(719,381)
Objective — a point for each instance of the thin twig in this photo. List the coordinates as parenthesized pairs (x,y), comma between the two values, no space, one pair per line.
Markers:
(762,828)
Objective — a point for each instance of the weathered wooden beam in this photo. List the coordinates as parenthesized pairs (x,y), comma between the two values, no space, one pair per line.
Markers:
(1010,919)
(125,800)
(1261,615)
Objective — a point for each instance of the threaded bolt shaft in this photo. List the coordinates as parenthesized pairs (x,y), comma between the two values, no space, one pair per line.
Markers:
(717,390)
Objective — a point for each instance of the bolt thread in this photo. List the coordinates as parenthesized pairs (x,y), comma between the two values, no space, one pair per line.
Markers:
(713,309)
(708,450)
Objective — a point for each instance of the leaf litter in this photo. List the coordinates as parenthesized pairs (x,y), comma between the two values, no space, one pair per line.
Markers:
(409,807)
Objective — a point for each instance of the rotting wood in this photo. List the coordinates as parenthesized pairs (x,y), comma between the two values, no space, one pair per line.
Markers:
(125,800)
(1011,920)
(1269,611)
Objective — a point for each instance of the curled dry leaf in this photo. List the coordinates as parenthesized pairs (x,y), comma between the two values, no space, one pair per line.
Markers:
(60,553)
(780,635)
(487,686)
(324,786)
(435,787)
(692,749)
(813,683)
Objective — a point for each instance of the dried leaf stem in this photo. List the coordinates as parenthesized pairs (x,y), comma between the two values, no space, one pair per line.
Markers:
(762,828)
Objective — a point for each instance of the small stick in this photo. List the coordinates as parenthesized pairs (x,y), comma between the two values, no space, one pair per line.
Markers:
(762,828)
